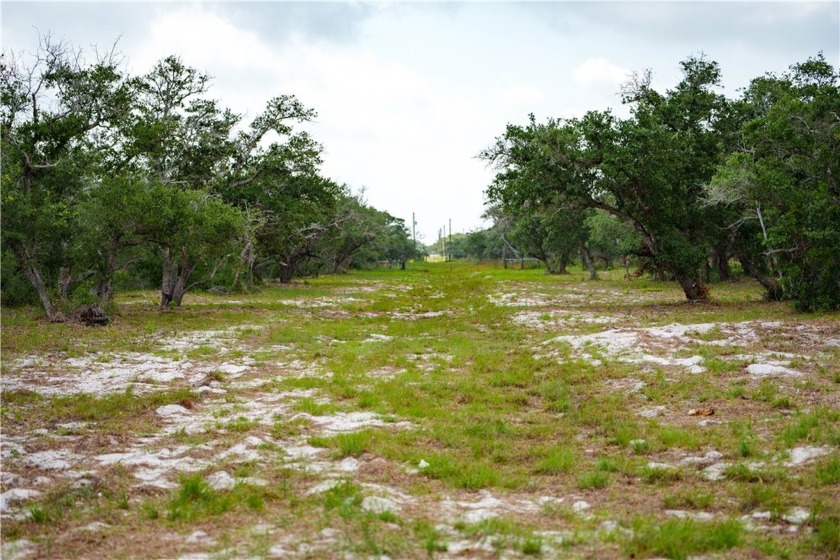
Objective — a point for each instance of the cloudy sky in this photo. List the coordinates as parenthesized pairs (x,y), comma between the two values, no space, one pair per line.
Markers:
(408,93)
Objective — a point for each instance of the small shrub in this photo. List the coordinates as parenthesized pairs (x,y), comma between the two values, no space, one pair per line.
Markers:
(353,444)
(597,479)
(531,545)
(557,460)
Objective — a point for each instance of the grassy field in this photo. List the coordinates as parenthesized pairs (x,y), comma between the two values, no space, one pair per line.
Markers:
(444,411)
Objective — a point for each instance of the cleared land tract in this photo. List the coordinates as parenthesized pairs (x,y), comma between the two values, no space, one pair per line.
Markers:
(473,413)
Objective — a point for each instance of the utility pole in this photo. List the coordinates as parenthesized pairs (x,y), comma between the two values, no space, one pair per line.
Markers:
(414,233)
(450,239)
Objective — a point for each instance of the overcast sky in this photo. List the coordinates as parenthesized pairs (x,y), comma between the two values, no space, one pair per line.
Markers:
(408,93)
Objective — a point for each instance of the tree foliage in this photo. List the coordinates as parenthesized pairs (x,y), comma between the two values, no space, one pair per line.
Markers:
(103,171)
(697,177)
(781,184)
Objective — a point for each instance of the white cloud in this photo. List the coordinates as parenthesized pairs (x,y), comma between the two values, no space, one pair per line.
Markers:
(383,124)
(407,94)
(522,95)
(599,72)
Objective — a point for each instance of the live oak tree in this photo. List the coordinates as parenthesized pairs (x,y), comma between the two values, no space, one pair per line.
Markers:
(648,170)
(58,117)
(396,244)
(183,142)
(781,181)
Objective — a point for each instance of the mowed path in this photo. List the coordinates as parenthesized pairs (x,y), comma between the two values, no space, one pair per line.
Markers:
(443,411)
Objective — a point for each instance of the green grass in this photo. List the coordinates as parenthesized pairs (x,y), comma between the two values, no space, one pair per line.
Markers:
(689,499)
(196,500)
(557,460)
(504,533)
(351,444)
(827,472)
(489,405)
(597,479)
(112,412)
(681,538)
(820,426)
(660,475)
(240,424)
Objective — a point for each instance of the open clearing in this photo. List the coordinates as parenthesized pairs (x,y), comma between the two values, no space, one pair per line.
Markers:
(437,412)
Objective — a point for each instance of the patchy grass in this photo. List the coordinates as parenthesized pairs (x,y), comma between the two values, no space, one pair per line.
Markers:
(682,538)
(449,405)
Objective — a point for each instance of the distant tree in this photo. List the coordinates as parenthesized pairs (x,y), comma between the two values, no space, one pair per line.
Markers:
(396,244)
(356,226)
(609,238)
(483,244)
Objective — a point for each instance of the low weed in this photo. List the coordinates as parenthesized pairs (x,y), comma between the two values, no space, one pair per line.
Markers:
(310,406)
(825,522)
(820,426)
(660,475)
(557,460)
(689,499)
(828,472)
(681,538)
(432,539)
(607,464)
(745,473)
(240,424)
(112,411)
(597,479)
(353,444)
(196,499)
(345,498)
(503,533)
(761,496)
(679,437)
(556,396)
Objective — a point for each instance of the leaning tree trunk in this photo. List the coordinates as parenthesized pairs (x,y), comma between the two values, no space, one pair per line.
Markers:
(694,290)
(30,269)
(773,290)
(105,289)
(287,271)
(105,285)
(587,258)
(168,278)
(562,263)
(185,270)
(65,281)
(174,279)
(247,259)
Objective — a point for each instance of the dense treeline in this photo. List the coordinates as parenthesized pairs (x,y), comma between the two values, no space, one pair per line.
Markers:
(147,180)
(689,181)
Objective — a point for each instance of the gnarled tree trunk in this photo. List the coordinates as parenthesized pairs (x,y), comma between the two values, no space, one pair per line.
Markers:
(33,274)
(773,290)
(176,273)
(587,258)
(693,289)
